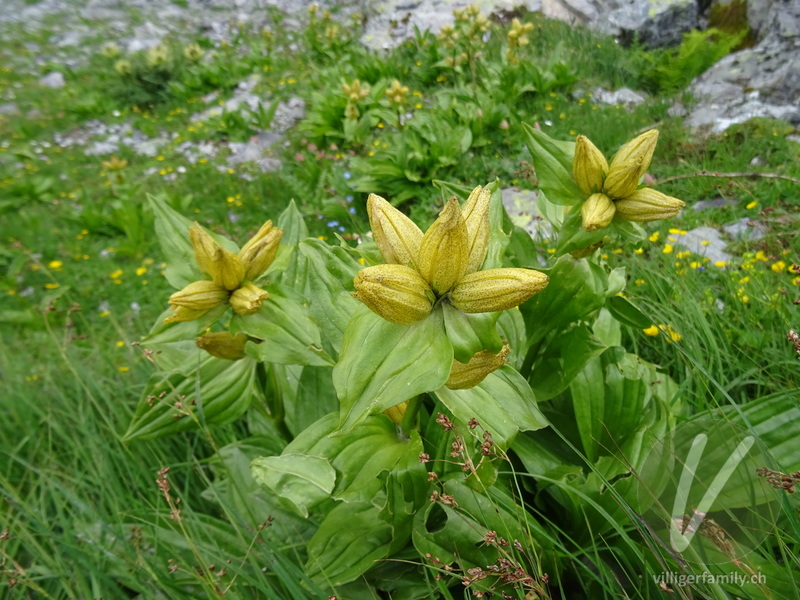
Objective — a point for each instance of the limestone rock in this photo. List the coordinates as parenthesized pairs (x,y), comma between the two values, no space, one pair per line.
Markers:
(54,79)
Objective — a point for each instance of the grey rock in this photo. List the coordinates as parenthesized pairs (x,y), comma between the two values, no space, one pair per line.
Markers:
(9,109)
(623,97)
(746,229)
(763,81)
(100,148)
(695,241)
(714,203)
(655,23)
(288,114)
(522,209)
(54,79)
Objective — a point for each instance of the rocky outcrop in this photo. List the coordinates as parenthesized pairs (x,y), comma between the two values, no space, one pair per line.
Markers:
(763,81)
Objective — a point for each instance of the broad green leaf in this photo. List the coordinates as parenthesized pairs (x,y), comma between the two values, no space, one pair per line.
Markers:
(235,489)
(449,189)
(314,399)
(284,323)
(607,329)
(775,419)
(503,404)
(577,288)
(290,268)
(302,480)
(173,344)
(471,333)
(562,359)
(511,326)
(350,540)
(382,364)
(500,228)
(608,399)
(216,392)
(553,162)
(456,534)
(332,270)
(627,313)
(294,228)
(357,456)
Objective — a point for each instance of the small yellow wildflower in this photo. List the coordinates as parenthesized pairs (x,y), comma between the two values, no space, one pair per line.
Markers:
(705,243)
(778,267)
(141,271)
(654,237)
(670,332)
(720,263)
(652,331)
(123,369)
(116,274)
(667,249)
(55,264)
(120,344)
(753,204)
(51,286)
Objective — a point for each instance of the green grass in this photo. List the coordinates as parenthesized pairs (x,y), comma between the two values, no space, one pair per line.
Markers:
(80,281)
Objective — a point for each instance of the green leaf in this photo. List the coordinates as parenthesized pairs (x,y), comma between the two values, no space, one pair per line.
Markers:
(503,403)
(610,398)
(290,267)
(500,228)
(356,458)
(349,541)
(562,359)
(332,270)
(216,392)
(382,364)
(627,313)
(173,344)
(577,288)
(471,333)
(302,480)
(553,162)
(512,328)
(284,323)
(456,534)
(314,399)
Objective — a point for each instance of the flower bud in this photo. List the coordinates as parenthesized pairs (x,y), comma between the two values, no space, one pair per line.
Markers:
(476,216)
(597,212)
(259,252)
(223,345)
(444,251)
(224,267)
(396,412)
(589,166)
(395,292)
(466,375)
(630,164)
(183,314)
(200,295)
(648,205)
(247,299)
(496,289)
(397,236)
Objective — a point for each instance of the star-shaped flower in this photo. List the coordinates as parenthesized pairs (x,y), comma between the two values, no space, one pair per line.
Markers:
(230,274)
(442,265)
(614,189)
